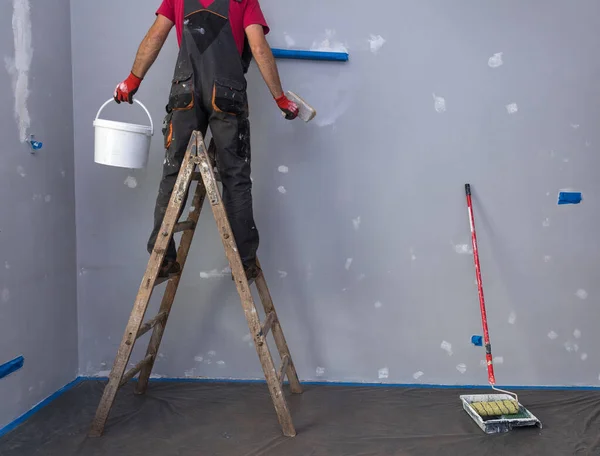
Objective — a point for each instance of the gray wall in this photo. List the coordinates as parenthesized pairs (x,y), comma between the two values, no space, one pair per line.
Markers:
(378,178)
(38,301)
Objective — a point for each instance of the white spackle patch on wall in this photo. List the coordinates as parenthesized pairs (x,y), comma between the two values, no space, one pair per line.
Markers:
(289,41)
(496,60)
(198,359)
(212,353)
(417,375)
(581,294)
(413,257)
(552,335)
(63,173)
(102,373)
(547,258)
(247,337)
(512,318)
(131,182)
(283,169)
(447,347)
(348,264)
(18,67)
(463,249)
(376,42)
(281,189)
(361,276)
(221,363)
(498,360)
(462,368)
(282,274)
(546,222)
(571,346)
(48,198)
(439,103)
(320,371)
(583,356)
(7,265)
(21,171)
(577,334)
(356,223)
(384,372)
(5,295)
(215,273)
(574,126)
(512,108)
(189,373)
(378,305)
(328,44)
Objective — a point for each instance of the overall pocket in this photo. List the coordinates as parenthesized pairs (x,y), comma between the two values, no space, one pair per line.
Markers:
(182,93)
(229,96)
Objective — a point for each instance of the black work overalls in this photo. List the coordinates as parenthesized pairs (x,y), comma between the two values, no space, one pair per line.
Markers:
(209,89)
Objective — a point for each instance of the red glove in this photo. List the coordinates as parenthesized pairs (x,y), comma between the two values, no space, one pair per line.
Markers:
(126,89)
(288,107)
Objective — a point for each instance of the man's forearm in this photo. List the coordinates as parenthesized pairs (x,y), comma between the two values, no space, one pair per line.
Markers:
(147,54)
(268,69)
(151,46)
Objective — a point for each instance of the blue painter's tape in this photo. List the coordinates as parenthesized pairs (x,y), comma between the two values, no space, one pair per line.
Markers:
(310,55)
(9,427)
(11,366)
(569,198)
(477,341)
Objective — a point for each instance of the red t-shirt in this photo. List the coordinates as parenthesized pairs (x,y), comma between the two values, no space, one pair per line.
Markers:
(241,15)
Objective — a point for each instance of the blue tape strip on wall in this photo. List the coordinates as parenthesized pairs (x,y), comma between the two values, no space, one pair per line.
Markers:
(569,198)
(477,341)
(310,55)
(11,366)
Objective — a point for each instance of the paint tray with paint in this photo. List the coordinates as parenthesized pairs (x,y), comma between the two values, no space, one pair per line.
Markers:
(502,411)
(488,412)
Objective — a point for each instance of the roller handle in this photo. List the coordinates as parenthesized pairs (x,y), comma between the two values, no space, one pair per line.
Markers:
(468,189)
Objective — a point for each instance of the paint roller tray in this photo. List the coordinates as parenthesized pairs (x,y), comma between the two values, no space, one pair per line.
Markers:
(498,424)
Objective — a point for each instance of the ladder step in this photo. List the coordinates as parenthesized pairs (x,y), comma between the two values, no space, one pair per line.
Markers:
(184,226)
(284,365)
(135,369)
(150,324)
(266,327)
(160,280)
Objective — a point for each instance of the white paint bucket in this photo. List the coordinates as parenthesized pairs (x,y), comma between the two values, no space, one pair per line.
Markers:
(122,144)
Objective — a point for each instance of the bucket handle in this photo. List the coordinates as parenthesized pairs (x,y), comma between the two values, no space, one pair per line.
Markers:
(138,102)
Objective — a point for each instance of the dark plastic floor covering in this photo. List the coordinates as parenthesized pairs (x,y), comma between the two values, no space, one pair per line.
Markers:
(232,419)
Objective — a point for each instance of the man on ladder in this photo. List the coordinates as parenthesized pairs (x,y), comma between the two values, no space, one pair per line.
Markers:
(217,40)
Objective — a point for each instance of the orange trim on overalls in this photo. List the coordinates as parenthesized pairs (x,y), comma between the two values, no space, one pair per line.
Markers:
(208,11)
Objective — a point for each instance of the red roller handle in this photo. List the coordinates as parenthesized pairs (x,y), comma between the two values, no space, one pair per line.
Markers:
(486,334)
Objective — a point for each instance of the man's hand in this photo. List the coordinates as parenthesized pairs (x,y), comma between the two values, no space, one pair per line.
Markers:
(127,89)
(288,107)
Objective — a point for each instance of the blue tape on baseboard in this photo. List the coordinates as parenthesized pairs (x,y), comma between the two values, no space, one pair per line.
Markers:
(569,198)
(11,366)
(20,420)
(310,55)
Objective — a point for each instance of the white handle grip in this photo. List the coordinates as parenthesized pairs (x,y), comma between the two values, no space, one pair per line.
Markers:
(138,102)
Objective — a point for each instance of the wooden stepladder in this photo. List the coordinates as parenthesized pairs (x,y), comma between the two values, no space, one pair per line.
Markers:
(197,155)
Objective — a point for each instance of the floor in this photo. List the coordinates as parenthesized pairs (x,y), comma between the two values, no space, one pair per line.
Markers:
(234,419)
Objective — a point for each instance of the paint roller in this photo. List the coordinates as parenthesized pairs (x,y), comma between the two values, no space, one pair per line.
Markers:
(305,111)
